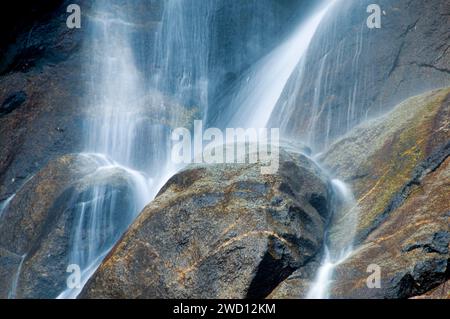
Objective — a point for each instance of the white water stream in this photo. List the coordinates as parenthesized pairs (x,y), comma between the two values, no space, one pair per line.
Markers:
(337,248)
(116,136)
(264,83)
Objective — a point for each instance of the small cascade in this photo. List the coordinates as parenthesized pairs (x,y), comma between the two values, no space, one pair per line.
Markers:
(181,52)
(15,280)
(321,285)
(338,239)
(101,214)
(4,204)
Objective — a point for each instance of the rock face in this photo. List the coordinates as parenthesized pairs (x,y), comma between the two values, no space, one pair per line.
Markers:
(37,225)
(399,168)
(40,91)
(220,231)
(352,72)
(441,292)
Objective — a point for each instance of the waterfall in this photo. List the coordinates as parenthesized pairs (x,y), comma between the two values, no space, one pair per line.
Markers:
(254,103)
(131,92)
(181,52)
(338,239)
(142,75)
(118,140)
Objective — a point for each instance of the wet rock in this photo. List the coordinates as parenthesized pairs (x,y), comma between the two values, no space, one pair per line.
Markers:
(39,223)
(352,72)
(41,81)
(12,102)
(220,231)
(440,292)
(399,167)
(9,263)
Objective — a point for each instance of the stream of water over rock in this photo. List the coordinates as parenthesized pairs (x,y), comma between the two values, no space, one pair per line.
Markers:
(124,134)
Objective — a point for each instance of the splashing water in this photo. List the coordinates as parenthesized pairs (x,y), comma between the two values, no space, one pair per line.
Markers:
(101,214)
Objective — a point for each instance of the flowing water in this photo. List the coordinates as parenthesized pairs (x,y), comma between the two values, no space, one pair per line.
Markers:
(124,134)
(15,280)
(134,98)
(338,240)
(4,205)
(253,104)
(119,141)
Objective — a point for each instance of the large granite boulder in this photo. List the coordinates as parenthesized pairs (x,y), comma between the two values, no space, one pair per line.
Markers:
(220,231)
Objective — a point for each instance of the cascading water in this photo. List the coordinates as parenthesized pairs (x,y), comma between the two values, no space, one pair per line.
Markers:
(15,280)
(4,205)
(102,213)
(255,101)
(253,105)
(181,52)
(122,140)
(122,136)
(338,239)
(114,139)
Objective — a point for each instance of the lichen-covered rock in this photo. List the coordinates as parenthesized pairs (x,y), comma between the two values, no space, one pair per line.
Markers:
(399,169)
(220,231)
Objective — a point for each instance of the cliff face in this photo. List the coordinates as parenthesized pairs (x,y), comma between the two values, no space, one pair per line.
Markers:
(352,73)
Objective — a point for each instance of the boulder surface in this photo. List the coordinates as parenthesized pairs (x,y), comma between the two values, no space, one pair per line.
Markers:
(220,231)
